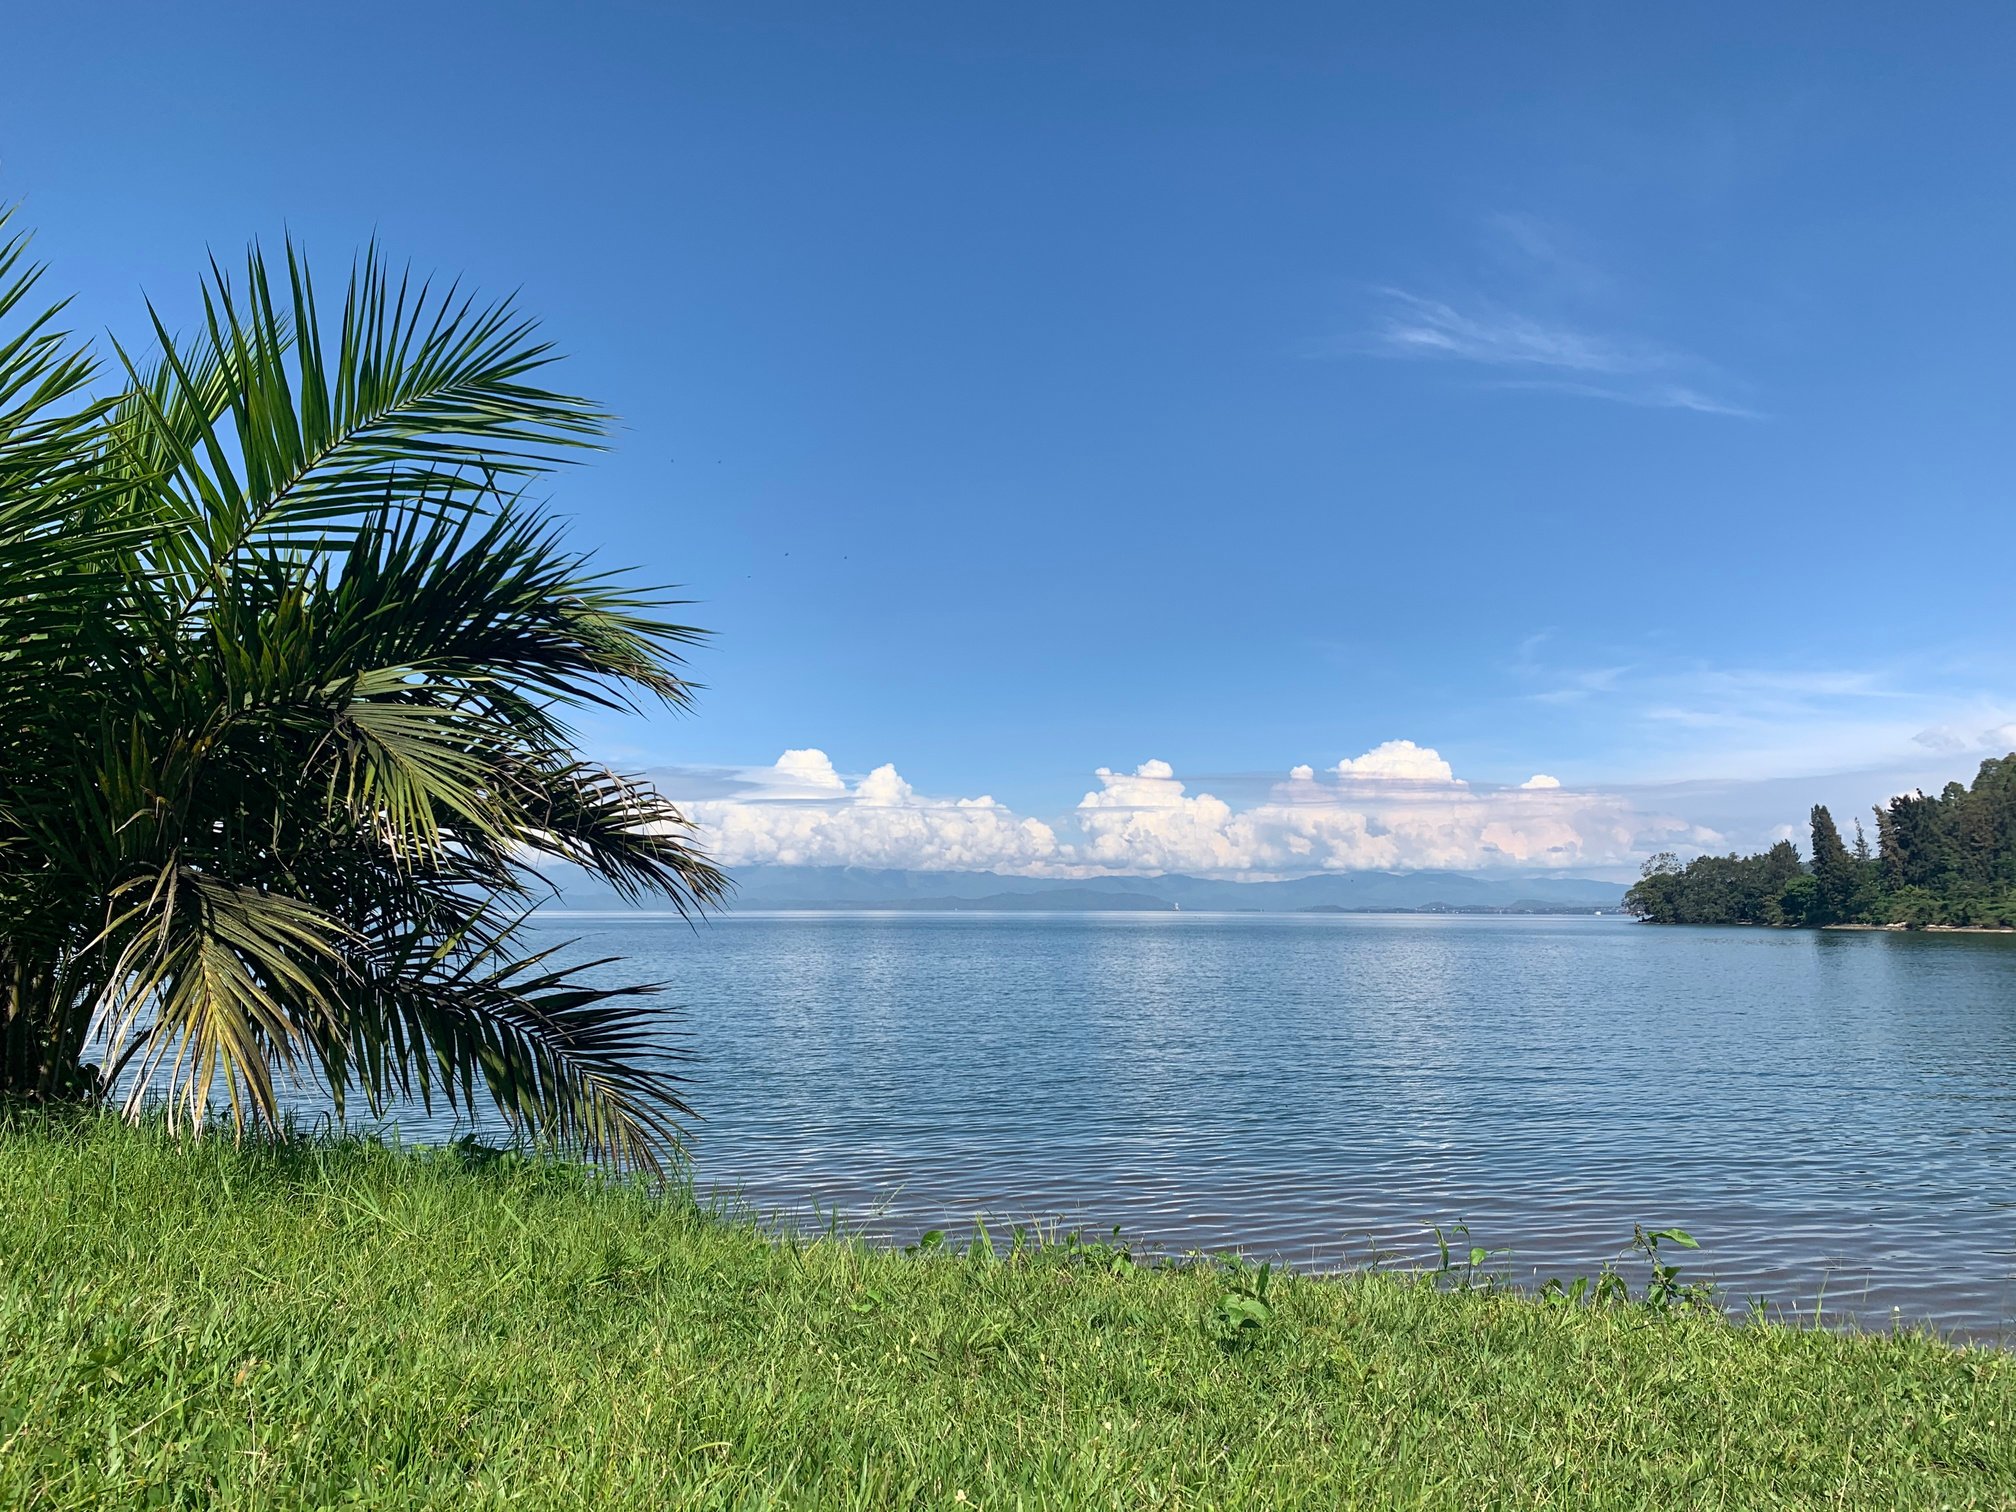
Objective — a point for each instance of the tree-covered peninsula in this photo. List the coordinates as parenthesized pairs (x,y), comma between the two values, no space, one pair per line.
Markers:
(1948,859)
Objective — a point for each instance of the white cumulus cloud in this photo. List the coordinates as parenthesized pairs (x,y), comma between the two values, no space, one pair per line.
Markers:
(801,812)
(1144,821)
(1398,761)
(804,773)
(1398,806)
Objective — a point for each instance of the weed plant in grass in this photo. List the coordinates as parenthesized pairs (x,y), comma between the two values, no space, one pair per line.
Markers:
(313,1324)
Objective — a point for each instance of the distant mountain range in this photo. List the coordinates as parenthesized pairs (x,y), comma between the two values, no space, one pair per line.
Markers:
(763,888)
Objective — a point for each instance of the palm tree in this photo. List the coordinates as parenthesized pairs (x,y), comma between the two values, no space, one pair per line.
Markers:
(286,660)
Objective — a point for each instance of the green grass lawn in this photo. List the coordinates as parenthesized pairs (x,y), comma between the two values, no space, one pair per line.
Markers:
(315,1326)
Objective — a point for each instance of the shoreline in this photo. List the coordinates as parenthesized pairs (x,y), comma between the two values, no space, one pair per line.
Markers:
(1921,928)
(1970,929)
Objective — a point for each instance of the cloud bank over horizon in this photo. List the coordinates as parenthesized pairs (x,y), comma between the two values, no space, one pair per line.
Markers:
(1397,807)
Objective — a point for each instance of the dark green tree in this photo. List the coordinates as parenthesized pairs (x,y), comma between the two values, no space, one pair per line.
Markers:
(1951,858)
(1799,901)
(1836,878)
(1774,871)
(1655,896)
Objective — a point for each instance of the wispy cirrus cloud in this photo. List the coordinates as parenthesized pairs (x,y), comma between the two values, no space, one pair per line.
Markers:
(1551,325)
(1665,719)
(1648,396)
(1559,358)
(1417,327)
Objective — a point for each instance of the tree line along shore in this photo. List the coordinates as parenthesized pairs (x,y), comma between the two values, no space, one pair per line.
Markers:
(1939,861)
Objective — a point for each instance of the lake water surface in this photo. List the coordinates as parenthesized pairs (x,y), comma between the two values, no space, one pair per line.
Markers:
(1824,1111)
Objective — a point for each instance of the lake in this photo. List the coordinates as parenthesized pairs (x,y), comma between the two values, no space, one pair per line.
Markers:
(1833,1115)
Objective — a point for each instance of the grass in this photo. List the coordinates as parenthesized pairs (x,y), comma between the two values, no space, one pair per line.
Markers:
(315,1325)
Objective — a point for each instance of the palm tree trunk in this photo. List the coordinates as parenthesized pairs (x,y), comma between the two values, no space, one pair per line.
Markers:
(41,1037)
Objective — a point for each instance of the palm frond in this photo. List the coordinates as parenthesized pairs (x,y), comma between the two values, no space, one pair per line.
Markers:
(498,606)
(586,1065)
(416,398)
(43,378)
(219,984)
(46,429)
(619,829)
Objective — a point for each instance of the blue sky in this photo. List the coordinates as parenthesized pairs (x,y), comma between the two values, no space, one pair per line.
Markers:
(1613,395)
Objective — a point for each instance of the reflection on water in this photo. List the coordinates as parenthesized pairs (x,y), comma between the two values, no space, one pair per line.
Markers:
(1831,1110)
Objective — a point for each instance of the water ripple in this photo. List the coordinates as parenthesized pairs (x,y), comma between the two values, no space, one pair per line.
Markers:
(1828,1113)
